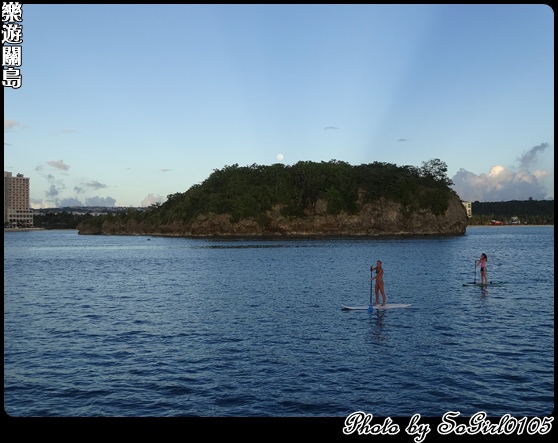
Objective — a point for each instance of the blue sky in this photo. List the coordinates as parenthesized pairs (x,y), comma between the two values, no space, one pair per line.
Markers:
(122,105)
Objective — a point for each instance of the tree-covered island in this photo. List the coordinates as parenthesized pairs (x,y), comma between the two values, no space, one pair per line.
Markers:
(304,199)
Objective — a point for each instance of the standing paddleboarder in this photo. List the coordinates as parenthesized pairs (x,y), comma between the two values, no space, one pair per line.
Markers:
(379,287)
(482,262)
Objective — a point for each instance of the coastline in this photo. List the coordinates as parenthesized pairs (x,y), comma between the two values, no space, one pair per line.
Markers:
(22,229)
(504,226)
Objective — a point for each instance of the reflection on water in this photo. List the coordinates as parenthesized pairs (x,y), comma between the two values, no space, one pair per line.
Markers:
(377,322)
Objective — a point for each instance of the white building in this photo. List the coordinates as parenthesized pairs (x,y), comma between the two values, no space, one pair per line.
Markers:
(17,212)
(468,208)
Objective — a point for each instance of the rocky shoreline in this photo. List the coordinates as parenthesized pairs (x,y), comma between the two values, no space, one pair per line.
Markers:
(384,218)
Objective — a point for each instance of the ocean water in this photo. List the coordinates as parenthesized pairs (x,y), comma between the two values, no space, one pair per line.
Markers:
(138,326)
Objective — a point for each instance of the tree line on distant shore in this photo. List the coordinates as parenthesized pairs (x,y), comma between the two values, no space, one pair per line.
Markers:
(59,220)
(529,212)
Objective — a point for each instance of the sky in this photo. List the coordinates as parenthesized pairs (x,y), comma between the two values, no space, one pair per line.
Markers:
(124,105)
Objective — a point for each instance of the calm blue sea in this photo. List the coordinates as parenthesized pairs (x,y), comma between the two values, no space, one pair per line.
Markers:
(138,326)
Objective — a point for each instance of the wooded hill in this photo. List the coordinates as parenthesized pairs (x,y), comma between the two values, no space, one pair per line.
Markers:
(249,191)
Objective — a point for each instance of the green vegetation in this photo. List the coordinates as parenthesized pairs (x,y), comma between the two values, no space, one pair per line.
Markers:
(60,220)
(529,212)
(249,191)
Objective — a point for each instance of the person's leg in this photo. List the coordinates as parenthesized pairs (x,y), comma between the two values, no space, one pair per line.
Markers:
(383,295)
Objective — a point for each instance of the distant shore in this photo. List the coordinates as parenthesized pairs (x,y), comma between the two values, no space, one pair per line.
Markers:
(23,229)
(515,226)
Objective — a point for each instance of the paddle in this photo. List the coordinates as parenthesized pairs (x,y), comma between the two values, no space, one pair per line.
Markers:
(370,307)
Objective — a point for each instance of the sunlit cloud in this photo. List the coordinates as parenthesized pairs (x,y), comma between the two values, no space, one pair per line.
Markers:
(10,124)
(36,203)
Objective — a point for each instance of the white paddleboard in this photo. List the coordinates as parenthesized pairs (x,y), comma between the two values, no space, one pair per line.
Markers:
(387,306)
(490,283)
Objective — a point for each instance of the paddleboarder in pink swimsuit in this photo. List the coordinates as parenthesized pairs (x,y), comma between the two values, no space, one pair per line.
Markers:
(379,282)
(482,262)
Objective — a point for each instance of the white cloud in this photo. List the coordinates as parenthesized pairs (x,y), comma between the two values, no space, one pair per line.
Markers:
(66,202)
(500,184)
(151,199)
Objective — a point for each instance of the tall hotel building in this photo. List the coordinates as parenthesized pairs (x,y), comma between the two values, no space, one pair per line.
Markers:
(17,212)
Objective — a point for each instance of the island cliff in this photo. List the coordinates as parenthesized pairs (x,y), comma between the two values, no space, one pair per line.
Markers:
(303,200)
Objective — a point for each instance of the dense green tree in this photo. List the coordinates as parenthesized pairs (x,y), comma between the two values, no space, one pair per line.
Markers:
(436,169)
